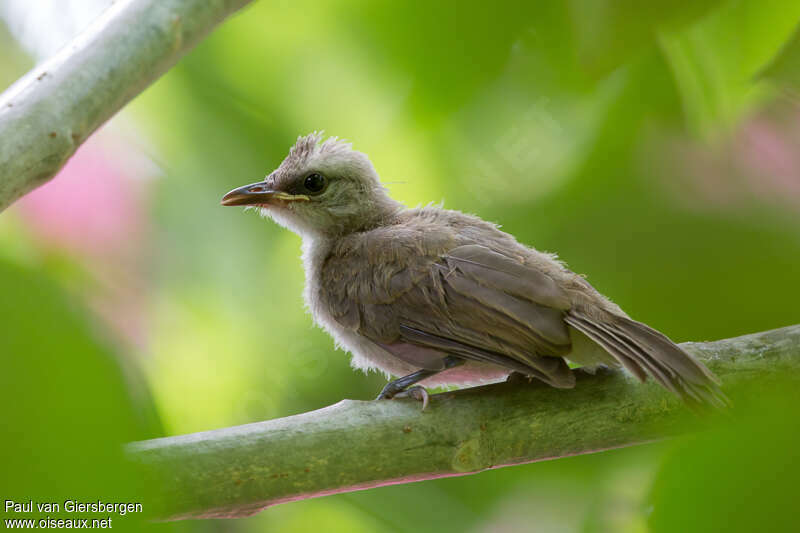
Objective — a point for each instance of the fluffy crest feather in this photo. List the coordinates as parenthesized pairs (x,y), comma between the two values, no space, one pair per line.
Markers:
(313,146)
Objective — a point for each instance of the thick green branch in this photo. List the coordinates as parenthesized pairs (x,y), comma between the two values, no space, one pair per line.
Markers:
(355,445)
(47,114)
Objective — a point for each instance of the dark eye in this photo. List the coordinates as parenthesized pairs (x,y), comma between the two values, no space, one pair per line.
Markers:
(314,182)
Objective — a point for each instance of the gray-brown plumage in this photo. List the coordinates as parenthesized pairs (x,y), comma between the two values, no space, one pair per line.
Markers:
(442,297)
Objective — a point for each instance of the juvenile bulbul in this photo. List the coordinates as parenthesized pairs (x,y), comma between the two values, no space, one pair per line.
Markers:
(438,297)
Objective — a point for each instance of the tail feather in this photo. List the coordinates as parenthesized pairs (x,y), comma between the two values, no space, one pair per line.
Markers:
(609,343)
(644,351)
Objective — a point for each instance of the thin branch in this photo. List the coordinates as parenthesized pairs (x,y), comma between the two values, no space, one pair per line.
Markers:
(355,445)
(47,114)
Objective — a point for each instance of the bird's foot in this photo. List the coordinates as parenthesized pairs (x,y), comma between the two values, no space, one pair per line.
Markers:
(416,392)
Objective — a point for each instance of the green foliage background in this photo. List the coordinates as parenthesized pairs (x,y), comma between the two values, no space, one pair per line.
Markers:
(576,125)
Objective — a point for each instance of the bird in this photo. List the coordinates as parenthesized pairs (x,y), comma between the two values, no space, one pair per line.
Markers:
(436,297)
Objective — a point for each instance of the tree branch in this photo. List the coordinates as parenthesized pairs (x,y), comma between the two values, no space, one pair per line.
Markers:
(355,445)
(47,114)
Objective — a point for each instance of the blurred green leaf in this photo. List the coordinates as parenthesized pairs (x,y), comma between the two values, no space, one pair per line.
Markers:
(784,69)
(716,59)
(740,477)
(610,33)
(69,408)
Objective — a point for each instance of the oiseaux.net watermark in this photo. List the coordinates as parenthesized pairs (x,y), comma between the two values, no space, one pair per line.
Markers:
(67,514)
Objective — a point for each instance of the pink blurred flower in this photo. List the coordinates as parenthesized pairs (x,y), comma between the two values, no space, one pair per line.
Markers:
(94,206)
(96,211)
(758,165)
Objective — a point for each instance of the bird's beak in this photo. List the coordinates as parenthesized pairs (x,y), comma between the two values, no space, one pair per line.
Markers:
(258,194)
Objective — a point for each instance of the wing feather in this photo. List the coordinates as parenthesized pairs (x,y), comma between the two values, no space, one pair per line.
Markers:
(465,300)
(555,372)
(495,270)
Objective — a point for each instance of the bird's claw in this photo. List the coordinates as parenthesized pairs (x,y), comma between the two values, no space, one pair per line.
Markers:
(416,392)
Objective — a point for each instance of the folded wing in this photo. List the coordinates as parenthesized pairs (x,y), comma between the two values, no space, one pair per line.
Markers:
(467,301)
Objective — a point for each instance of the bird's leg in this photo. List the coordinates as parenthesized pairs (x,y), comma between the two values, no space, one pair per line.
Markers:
(394,387)
(400,386)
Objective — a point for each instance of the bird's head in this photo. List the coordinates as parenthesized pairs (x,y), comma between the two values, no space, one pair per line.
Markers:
(322,188)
